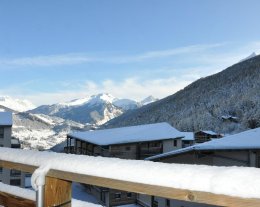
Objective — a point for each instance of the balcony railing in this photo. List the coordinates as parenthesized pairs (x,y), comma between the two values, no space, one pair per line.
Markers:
(58,183)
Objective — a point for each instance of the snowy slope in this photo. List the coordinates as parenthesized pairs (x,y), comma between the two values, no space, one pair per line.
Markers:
(38,131)
(15,104)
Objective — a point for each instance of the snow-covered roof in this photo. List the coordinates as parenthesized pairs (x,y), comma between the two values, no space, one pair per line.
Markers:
(140,133)
(229,117)
(245,140)
(188,136)
(6,119)
(209,132)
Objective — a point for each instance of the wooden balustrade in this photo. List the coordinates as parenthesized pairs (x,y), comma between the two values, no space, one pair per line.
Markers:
(58,189)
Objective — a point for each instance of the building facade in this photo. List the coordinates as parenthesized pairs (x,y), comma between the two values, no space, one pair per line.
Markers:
(7,176)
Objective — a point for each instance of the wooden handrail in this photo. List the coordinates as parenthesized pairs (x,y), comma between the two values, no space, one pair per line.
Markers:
(155,190)
(7,199)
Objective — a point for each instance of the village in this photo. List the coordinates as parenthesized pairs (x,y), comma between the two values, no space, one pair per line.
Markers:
(158,142)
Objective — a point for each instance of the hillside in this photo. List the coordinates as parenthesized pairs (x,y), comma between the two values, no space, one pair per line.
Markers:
(38,131)
(207,102)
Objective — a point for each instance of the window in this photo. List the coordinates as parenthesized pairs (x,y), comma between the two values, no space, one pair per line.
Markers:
(129,195)
(117,195)
(16,182)
(167,203)
(1,132)
(15,173)
(1,170)
(155,144)
(128,148)
(175,143)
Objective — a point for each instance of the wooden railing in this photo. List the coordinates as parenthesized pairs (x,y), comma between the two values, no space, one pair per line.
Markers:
(58,189)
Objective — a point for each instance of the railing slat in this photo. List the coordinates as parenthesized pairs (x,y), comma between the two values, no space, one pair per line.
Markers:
(161,191)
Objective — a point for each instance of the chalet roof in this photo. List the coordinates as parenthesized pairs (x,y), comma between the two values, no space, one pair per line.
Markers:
(140,133)
(209,132)
(6,119)
(188,136)
(245,140)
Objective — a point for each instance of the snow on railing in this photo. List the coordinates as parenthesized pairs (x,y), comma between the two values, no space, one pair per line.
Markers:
(226,186)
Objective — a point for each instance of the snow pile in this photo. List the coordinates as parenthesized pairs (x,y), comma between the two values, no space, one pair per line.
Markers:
(233,181)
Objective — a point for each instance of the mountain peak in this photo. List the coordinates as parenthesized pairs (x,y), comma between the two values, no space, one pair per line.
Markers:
(148,100)
(249,57)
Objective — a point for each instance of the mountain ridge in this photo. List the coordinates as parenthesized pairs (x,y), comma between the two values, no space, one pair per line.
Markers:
(233,91)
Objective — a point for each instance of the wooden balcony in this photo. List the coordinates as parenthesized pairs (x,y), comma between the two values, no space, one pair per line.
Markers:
(58,189)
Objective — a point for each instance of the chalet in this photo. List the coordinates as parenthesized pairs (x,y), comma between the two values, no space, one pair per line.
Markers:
(134,142)
(205,136)
(241,149)
(10,177)
(188,139)
(229,118)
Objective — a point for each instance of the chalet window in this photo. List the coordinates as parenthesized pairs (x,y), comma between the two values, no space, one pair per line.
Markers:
(167,203)
(15,173)
(128,148)
(129,195)
(155,144)
(175,143)
(1,132)
(117,195)
(16,182)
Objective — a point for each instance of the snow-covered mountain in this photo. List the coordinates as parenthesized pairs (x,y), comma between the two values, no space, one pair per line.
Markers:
(15,104)
(227,102)
(48,125)
(95,109)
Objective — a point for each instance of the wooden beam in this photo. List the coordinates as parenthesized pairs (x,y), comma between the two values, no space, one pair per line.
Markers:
(57,192)
(160,191)
(9,200)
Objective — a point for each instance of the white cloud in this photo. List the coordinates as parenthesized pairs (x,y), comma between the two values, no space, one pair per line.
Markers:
(133,88)
(74,58)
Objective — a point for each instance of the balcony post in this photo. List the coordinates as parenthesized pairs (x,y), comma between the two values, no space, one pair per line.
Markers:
(57,192)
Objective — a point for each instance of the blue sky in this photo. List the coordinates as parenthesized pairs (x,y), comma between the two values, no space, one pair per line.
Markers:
(53,51)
